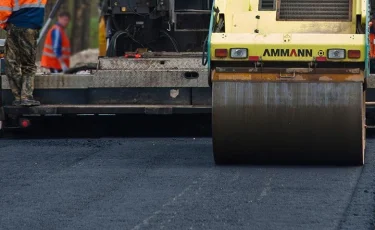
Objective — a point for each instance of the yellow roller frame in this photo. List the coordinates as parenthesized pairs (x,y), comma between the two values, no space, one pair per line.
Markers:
(281,114)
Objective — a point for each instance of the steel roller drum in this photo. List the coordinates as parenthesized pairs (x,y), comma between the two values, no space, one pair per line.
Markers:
(296,122)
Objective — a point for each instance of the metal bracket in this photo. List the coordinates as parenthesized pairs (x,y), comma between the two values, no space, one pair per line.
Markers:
(257,65)
(169,27)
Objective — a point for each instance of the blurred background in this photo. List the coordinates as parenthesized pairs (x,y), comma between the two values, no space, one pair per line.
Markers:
(82,30)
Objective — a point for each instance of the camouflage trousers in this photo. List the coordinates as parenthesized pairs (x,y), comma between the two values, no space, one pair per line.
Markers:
(20,56)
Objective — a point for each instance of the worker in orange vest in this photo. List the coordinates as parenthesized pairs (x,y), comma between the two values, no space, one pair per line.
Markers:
(372,44)
(56,51)
(372,37)
(22,21)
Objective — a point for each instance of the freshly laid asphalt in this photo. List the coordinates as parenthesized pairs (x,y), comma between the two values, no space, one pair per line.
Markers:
(68,177)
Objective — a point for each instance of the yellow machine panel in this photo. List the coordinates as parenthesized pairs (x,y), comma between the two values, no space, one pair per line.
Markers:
(288,47)
(248,22)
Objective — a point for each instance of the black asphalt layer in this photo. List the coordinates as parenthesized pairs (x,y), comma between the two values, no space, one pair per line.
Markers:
(171,183)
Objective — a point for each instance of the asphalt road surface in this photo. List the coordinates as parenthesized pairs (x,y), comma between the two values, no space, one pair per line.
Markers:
(66,178)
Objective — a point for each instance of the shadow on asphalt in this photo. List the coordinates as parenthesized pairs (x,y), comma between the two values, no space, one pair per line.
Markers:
(370,133)
(133,126)
(116,126)
(121,126)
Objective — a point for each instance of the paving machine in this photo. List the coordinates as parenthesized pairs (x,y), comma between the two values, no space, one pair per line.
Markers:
(288,80)
(152,65)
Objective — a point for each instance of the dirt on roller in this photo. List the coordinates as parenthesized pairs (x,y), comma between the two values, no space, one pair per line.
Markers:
(144,173)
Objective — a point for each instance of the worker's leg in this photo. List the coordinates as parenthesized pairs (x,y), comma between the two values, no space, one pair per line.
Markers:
(28,58)
(12,63)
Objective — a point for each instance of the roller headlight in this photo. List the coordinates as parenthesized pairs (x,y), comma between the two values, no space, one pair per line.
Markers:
(238,53)
(336,54)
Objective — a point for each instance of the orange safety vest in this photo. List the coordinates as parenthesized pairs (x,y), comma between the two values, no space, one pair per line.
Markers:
(6,8)
(22,13)
(49,59)
(372,45)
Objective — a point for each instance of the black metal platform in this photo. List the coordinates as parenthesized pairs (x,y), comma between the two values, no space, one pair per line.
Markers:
(105,109)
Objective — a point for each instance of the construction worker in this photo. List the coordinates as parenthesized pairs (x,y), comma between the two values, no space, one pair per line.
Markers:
(372,44)
(22,20)
(56,51)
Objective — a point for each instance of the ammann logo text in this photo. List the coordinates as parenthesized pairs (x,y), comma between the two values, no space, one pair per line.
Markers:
(288,52)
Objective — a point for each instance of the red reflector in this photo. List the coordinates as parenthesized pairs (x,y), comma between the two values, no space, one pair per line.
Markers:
(254,58)
(221,53)
(354,53)
(321,59)
(25,123)
(133,56)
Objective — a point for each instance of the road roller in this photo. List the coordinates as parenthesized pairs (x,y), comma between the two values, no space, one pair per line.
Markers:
(288,81)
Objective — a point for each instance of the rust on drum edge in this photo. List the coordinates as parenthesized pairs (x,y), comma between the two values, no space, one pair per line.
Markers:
(295,77)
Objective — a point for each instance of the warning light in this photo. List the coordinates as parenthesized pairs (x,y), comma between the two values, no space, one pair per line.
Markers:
(133,55)
(254,58)
(221,53)
(354,53)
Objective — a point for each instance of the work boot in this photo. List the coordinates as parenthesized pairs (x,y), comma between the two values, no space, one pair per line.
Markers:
(29,102)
